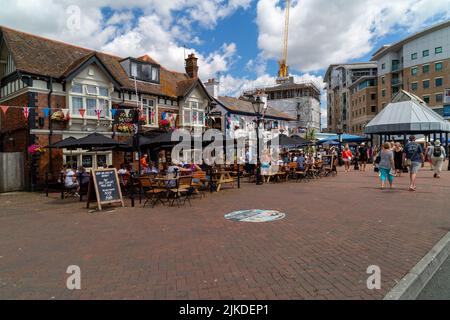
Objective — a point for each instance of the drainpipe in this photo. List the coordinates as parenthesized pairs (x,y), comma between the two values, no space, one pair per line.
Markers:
(50,134)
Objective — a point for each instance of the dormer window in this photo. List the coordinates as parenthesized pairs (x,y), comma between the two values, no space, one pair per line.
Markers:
(141,70)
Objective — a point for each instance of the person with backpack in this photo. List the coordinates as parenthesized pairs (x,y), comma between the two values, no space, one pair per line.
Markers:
(413,159)
(437,155)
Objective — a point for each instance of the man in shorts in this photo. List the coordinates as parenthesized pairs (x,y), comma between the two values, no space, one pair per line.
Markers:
(413,153)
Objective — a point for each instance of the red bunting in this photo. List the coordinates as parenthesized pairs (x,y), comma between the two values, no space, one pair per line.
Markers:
(66,114)
(82,112)
(4,109)
(99,113)
(26,112)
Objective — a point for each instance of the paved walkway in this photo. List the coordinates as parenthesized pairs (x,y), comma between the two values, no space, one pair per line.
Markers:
(334,229)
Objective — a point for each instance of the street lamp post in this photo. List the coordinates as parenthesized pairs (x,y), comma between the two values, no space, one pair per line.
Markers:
(259,108)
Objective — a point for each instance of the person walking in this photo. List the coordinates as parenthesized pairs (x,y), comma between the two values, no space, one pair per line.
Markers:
(437,155)
(413,153)
(398,159)
(428,151)
(363,157)
(347,156)
(386,165)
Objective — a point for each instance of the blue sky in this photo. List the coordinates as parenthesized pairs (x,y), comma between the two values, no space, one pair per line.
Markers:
(237,41)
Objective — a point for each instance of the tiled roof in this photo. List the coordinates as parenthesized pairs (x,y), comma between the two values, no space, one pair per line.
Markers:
(243,106)
(40,56)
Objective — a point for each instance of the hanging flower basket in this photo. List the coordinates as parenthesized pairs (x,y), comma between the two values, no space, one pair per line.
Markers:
(35,149)
(59,116)
(125,128)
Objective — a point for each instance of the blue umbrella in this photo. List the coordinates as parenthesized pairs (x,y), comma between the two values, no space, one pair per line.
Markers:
(330,143)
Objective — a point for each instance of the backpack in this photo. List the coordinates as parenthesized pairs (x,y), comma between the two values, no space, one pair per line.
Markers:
(437,152)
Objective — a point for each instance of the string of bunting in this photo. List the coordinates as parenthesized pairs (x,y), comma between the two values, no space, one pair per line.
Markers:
(66,113)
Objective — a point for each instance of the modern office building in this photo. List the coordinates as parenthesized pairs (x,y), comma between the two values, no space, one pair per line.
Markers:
(342,80)
(419,64)
(363,103)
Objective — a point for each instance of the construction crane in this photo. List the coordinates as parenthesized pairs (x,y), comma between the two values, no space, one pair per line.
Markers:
(283,73)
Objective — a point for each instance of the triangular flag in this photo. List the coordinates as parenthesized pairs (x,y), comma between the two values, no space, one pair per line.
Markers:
(82,112)
(4,109)
(66,114)
(26,112)
(99,113)
(46,112)
(113,112)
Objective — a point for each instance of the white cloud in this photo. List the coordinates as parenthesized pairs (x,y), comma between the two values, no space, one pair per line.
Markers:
(160,32)
(323,32)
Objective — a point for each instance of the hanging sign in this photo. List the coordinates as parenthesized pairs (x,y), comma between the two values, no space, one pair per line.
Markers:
(104,188)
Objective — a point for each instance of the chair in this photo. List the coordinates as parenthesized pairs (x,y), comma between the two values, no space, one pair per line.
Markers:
(153,191)
(303,175)
(292,168)
(200,182)
(183,188)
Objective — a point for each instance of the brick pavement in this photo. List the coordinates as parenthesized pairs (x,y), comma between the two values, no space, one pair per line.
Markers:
(335,228)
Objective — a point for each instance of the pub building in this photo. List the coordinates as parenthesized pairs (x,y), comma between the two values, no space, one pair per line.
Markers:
(56,90)
(72,92)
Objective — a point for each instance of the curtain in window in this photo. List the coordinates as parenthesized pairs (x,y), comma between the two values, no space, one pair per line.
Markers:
(91,105)
(77,104)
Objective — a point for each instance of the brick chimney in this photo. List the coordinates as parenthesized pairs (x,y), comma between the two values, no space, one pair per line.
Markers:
(191,66)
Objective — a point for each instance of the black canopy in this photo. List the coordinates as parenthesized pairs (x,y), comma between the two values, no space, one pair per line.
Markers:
(285,141)
(97,140)
(69,143)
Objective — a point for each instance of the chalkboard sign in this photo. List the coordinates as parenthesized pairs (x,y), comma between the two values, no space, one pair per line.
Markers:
(104,188)
(328,162)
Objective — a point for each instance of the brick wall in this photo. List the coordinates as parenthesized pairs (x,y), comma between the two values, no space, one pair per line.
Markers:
(15,134)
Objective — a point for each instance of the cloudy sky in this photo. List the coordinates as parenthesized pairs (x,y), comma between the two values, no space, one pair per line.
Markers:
(237,41)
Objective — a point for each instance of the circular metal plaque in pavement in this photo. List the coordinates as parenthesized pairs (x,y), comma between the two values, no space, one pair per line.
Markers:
(255,215)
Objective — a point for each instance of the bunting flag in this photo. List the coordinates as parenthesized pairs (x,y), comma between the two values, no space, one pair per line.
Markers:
(46,112)
(4,109)
(113,113)
(82,112)
(163,115)
(65,112)
(26,112)
(99,113)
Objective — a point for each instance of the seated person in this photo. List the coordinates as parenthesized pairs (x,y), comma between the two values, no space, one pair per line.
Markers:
(70,181)
(83,176)
(123,173)
(172,173)
(301,162)
(152,168)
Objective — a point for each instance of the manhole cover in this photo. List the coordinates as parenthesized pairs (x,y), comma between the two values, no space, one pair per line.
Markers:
(255,215)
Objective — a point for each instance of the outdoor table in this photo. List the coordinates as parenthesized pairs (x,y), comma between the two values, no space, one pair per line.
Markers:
(223,177)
